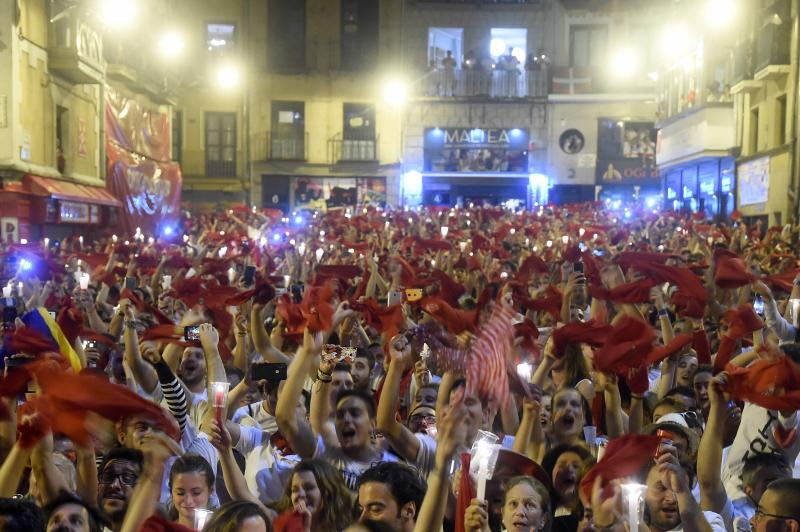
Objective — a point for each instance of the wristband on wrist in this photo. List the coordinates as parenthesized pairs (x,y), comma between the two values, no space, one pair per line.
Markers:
(323,377)
(130,324)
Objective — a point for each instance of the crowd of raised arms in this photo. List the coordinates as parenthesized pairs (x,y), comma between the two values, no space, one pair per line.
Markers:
(569,368)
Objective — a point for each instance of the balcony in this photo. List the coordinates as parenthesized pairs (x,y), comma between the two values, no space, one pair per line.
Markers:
(706,131)
(76,49)
(353,149)
(268,146)
(469,83)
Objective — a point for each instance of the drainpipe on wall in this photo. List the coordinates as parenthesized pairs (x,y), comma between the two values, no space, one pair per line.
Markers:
(101,130)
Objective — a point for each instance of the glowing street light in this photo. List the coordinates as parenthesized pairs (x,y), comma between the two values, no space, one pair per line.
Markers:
(171,44)
(624,63)
(395,91)
(228,76)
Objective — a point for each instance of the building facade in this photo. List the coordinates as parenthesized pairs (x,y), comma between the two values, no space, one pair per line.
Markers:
(518,101)
(77,121)
(308,124)
(726,119)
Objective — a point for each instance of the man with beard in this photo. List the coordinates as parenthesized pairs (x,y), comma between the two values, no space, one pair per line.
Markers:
(361,370)
(118,474)
(669,503)
(392,493)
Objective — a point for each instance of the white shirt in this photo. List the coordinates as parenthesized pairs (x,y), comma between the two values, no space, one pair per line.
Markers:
(267,471)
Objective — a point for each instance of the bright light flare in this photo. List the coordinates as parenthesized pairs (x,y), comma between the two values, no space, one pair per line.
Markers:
(228,76)
(624,63)
(171,44)
(674,39)
(395,91)
(118,13)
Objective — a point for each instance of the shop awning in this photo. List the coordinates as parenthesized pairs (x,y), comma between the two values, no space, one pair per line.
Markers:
(64,190)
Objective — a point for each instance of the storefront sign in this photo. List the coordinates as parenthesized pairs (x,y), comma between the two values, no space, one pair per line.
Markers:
(626,153)
(9,229)
(754,181)
(72,212)
(476,150)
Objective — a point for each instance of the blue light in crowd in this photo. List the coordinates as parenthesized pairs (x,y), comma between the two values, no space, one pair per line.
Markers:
(25,265)
(298,219)
(168,231)
(276,237)
(651,202)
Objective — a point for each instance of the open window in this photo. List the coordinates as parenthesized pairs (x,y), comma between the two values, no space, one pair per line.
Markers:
(443,40)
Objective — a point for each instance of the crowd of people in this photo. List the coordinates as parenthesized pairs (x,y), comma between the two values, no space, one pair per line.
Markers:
(468,369)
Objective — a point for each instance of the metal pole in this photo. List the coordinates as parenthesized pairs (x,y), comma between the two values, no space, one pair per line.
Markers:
(794,182)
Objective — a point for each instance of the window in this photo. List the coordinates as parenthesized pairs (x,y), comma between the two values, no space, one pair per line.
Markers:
(288,130)
(587,45)
(220,37)
(286,36)
(220,144)
(359,121)
(359,30)
(177,135)
(443,40)
(504,40)
(780,120)
(358,132)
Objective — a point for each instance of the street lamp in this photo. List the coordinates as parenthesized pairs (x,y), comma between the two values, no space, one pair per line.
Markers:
(624,63)
(719,13)
(395,91)
(171,44)
(228,76)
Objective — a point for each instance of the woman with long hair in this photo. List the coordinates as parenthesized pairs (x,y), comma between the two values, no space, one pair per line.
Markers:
(318,495)
(191,480)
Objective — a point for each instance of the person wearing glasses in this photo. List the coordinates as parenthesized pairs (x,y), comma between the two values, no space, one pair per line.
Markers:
(779,507)
(118,473)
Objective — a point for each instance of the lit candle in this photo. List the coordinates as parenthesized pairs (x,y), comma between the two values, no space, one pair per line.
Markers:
(222,251)
(262,241)
(23,241)
(231,275)
(462,246)
(504,275)
(7,292)
(114,238)
(581,231)
(549,243)
(166,282)
(80,239)
(527,241)
(512,231)
(433,263)
(301,248)
(351,250)
(220,390)
(319,253)
(286,280)
(201,517)
(84,281)
(20,286)
(46,242)
(151,240)
(535,249)
(565,240)
(484,456)
(292,242)
(445,230)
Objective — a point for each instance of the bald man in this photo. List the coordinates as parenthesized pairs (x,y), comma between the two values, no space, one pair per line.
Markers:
(779,507)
